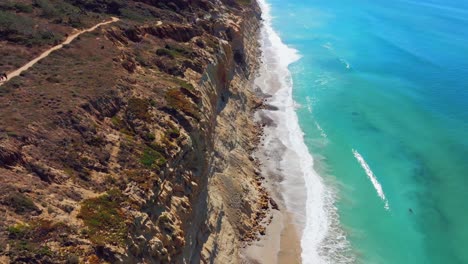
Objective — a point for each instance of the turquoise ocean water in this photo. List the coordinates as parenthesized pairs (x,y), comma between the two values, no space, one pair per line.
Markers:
(383,94)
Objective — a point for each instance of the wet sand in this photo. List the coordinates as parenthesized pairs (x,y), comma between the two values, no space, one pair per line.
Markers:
(280,244)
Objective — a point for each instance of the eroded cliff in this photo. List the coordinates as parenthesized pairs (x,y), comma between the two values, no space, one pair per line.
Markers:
(132,144)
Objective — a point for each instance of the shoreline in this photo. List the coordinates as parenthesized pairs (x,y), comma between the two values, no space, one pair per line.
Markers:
(283,159)
(281,240)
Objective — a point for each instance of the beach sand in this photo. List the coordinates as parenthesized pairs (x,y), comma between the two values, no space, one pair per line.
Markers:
(281,241)
(290,249)
(280,244)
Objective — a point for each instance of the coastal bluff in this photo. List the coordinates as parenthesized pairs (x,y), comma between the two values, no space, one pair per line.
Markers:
(132,143)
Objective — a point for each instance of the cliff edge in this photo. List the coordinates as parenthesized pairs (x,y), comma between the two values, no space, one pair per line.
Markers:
(133,143)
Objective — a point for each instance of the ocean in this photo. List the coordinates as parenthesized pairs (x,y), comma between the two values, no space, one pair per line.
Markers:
(372,119)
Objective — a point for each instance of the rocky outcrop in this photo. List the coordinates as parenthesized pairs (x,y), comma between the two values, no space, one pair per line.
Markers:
(182,33)
(9,154)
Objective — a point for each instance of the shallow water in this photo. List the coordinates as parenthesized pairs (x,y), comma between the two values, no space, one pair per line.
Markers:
(383,94)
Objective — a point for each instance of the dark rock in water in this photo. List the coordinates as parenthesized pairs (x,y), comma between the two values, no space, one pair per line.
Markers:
(271,107)
(273,204)
(355,113)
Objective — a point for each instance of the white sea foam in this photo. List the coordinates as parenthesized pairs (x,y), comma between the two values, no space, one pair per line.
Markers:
(372,178)
(321,81)
(322,132)
(288,158)
(324,80)
(328,46)
(309,104)
(346,63)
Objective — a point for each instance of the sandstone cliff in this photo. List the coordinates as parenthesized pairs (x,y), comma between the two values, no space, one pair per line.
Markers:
(132,144)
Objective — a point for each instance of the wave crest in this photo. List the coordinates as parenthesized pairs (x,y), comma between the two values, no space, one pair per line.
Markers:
(372,178)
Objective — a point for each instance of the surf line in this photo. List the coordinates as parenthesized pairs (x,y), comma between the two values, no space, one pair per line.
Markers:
(372,178)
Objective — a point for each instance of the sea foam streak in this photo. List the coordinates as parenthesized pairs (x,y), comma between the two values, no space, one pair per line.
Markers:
(288,158)
(372,178)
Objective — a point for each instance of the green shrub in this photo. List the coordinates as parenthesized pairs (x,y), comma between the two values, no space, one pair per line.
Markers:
(48,9)
(20,29)
(24,8)
(179,49)
(104,218)
(117,122)
(18,231)
(143,59)
(10,24)
(73,259)
(20,203)
(28,239)
(143,178)
(138,108)
(152,158)
(173,51)
(244,2)
(173,133)
(18,7)
(177,100)
(166,52)
(100,6)
(60,12)
(150,137)
(184,84)
(75,21)
(139,15)
(164,218)
(159,148)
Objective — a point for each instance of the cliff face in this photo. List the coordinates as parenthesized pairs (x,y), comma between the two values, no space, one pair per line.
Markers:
(133,143)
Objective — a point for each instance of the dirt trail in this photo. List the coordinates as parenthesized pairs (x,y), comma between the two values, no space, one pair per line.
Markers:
(46,53)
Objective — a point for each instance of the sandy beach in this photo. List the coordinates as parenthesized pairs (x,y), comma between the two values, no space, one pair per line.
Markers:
(280,244)
(281,241)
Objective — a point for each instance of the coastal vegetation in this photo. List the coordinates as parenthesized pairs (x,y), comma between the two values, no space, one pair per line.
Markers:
(179,101)
(104,218)
(20,203)
(28,239)
(152,159)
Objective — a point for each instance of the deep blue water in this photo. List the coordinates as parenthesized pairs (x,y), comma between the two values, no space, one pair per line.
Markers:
(384,84)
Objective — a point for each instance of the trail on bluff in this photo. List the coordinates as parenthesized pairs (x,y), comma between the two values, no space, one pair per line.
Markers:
(46,53)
